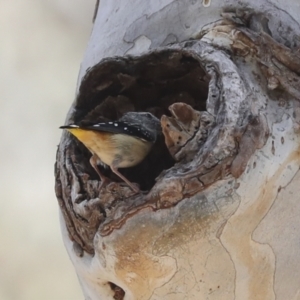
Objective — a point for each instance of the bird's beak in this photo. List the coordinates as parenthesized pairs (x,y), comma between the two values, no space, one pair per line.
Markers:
(71,126)
(74,129)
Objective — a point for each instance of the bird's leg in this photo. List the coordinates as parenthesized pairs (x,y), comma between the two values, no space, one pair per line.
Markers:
(115,170)
(94,163)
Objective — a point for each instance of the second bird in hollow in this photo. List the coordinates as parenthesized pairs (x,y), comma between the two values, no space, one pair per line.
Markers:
(118,144)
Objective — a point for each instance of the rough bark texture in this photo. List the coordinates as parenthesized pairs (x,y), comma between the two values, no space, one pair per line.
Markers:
(218,215)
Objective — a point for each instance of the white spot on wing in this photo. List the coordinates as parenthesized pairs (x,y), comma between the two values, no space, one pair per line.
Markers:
(116,124)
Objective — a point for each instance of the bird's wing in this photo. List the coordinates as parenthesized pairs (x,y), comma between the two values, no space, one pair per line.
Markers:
(116,127)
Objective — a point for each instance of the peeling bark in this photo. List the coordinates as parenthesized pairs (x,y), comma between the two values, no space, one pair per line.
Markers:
(227,93)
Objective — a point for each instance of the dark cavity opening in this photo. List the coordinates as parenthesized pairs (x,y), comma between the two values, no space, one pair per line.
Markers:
(119,293)
(149,83)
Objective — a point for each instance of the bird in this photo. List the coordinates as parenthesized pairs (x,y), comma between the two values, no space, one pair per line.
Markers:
(118,144)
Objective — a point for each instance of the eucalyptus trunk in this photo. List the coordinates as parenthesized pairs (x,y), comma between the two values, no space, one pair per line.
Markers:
(218,217)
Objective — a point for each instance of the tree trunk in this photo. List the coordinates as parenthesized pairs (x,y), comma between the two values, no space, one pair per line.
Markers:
(219,215)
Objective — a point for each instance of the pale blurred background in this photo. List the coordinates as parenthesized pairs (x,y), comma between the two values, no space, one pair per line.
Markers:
(41,47)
